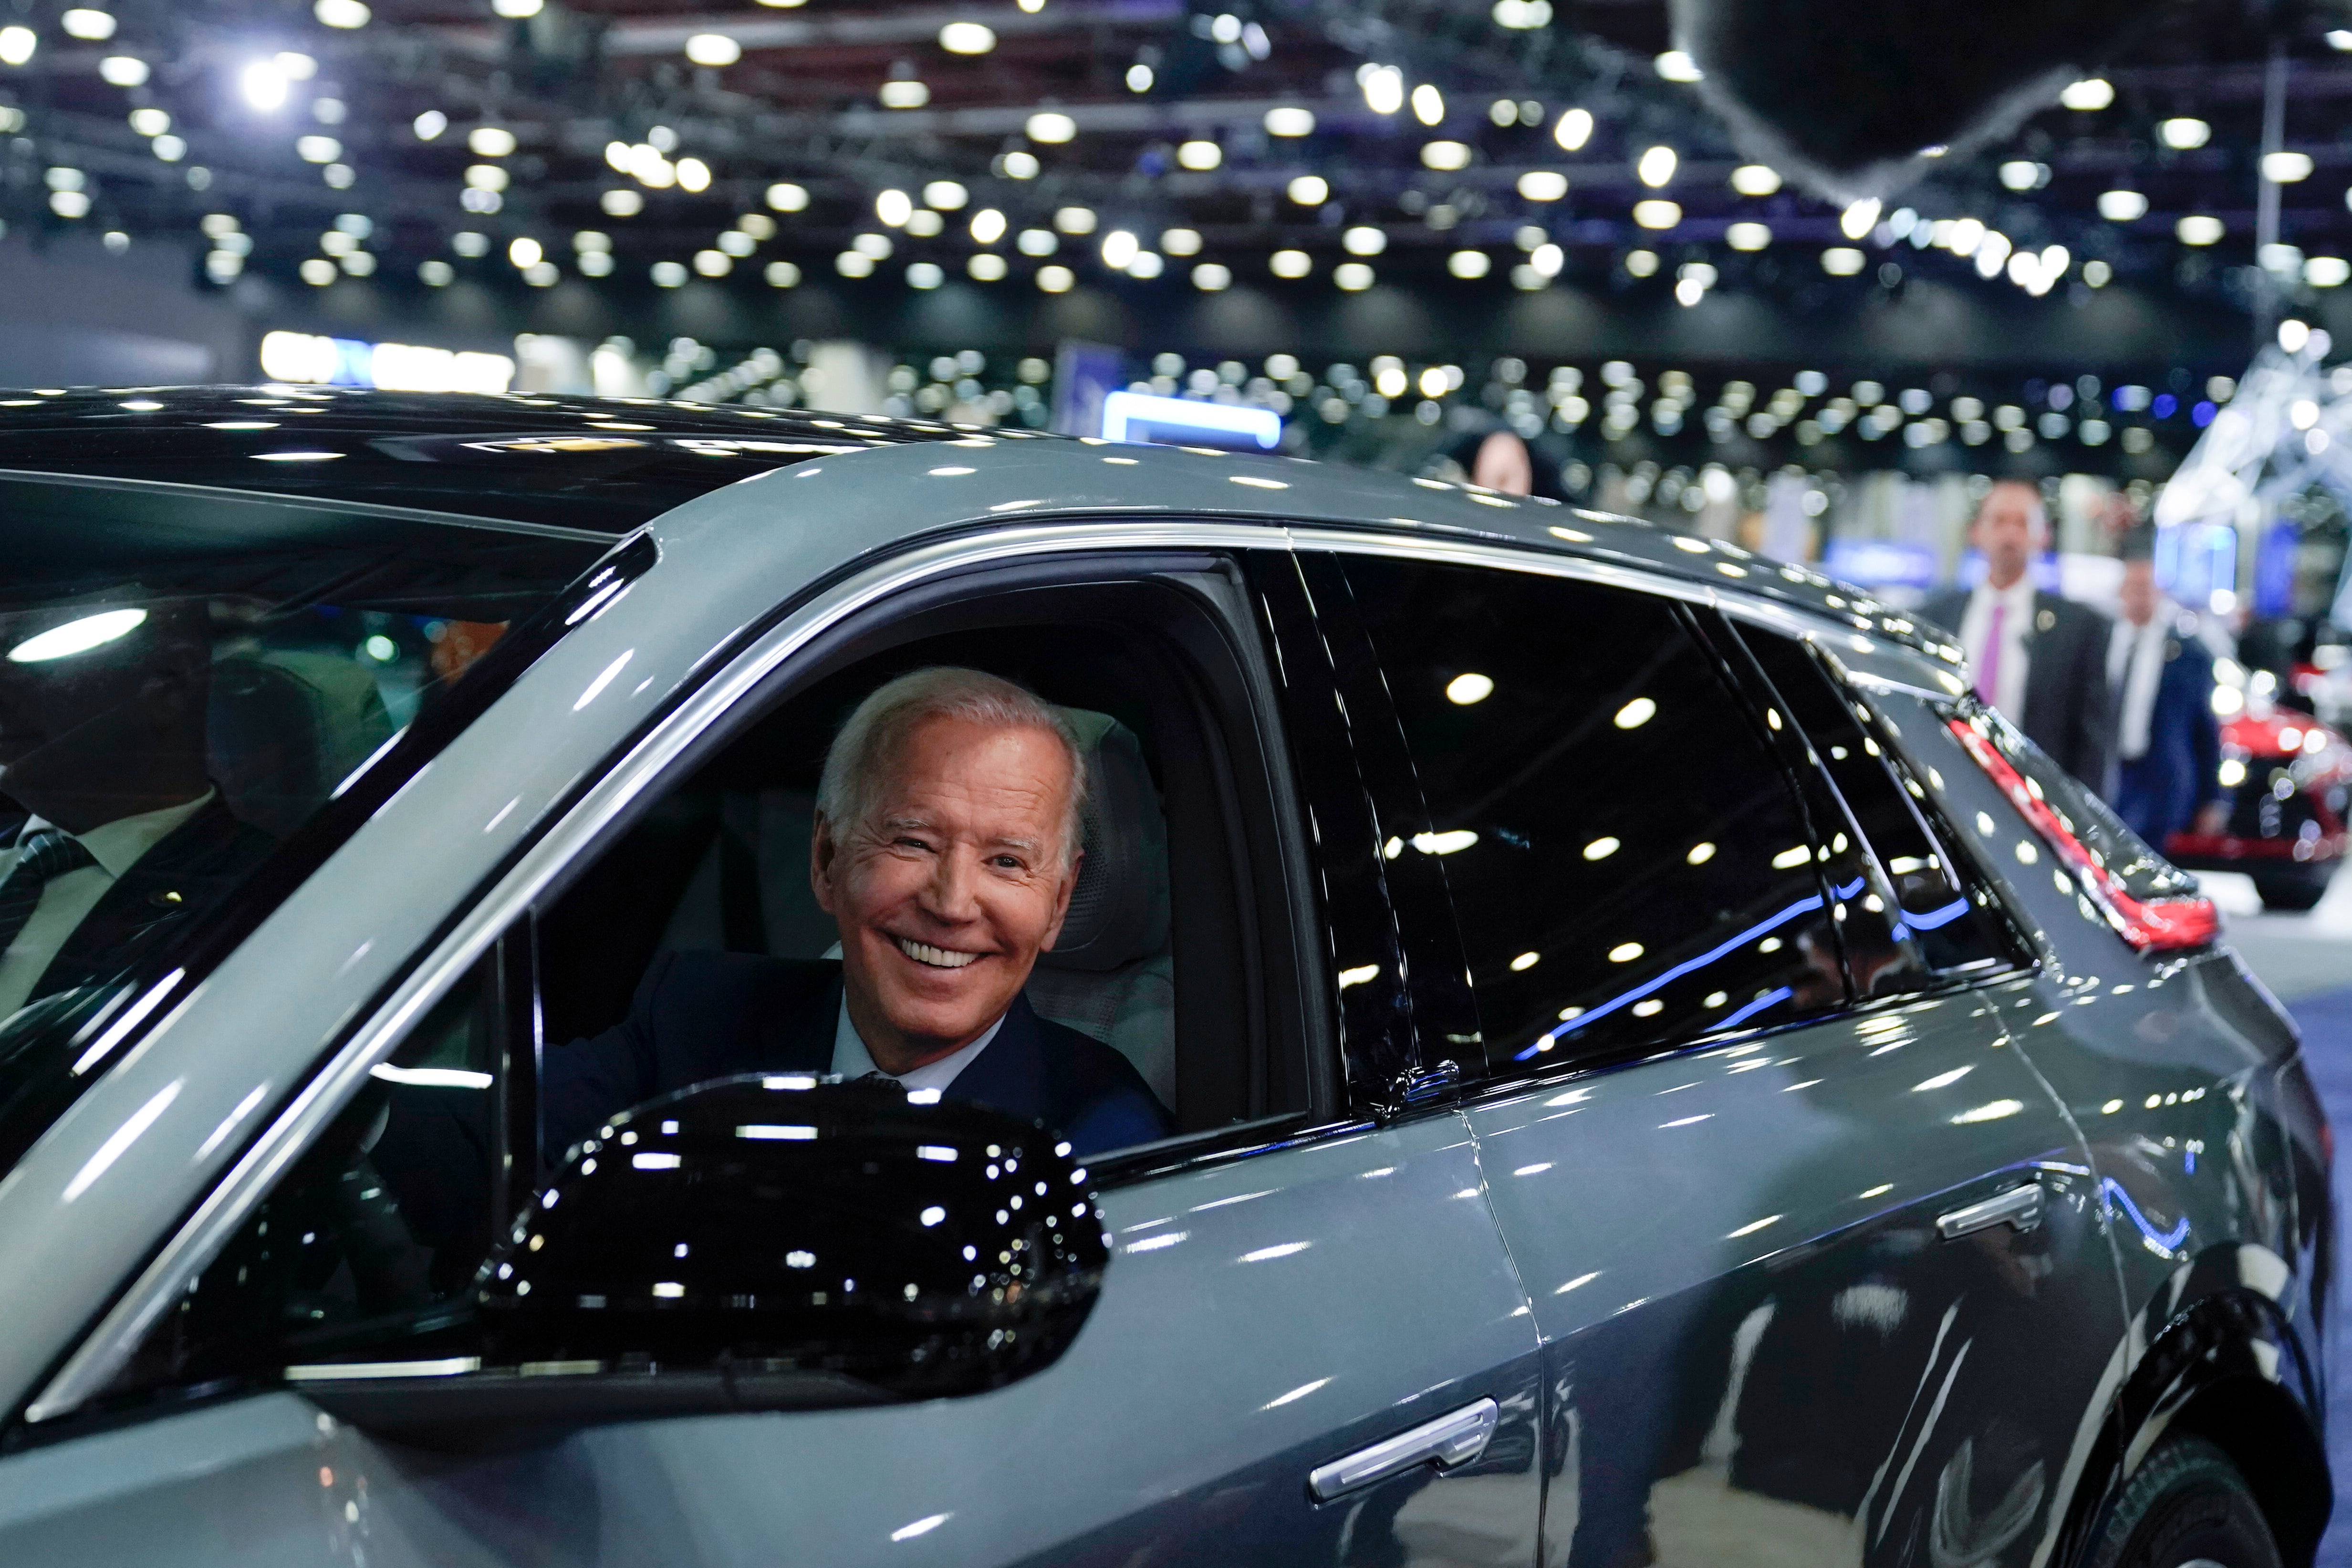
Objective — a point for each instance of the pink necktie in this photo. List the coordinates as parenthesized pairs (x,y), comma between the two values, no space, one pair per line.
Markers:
(1988,667)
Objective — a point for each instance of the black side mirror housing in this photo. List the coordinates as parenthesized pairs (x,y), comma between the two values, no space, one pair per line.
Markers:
(767,1242)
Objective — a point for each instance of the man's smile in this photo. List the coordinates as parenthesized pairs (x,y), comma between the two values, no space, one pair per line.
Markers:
(934,957)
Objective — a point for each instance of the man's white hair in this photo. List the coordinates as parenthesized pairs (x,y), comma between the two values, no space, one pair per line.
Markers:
(847,788)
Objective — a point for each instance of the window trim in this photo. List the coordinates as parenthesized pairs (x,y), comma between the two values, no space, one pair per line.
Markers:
(638,766)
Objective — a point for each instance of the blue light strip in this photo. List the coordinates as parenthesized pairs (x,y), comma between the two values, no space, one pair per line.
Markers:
(1758,1006)
(1935,918)
(2168,1240)
(1548,1040)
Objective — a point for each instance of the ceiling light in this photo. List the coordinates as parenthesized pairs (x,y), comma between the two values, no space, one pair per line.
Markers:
(2122,206)
(987,225)
(294,65)
(1522,15)
(517,10)
(1445,157)
(986,267)
(1017,165)
(170,149)
(759,226)
(77,636)
(2200,229)
(2340,40)
(1365,240)
(1676,65)
(693,174)
(787,197)
(1310,190)
(904,95)
(2184,134)
(713,49)
(490,141)
(893,207)
(344,14)
(2023,174)
(1543,185)
(1754,179)
(1383,88)
(122,70)
(2326,272)
(16,45)
(1353,277)
(82,22)
(1211,276)
(1200,156)
(1138,78)
(1747,236)
(1056,279)
(1119,247)
(1655,166)
(736,244)
(1468,264)
(1290,264)
(670,275)
(621,203)
(1289,121)
(263,84)
(946,196)
(433,122)
(1051,130)
(2287,168)
(1859,219)
(1180,242)
(478,176)
(1657,215)
(1146,265)
(525,252)
(326,149)
(1038,242)
(1075,220)
(967,38)
(1428,105)
(877,247)
(713,263)
(150,121)
(2090,93)
(1839,261)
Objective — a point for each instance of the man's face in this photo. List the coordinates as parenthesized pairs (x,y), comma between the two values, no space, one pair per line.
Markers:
(951,888)
(2007,529)
(1502,464)
(2138,591)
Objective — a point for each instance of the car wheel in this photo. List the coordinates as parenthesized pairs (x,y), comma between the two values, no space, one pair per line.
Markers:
(2185,1507)
(2291,892)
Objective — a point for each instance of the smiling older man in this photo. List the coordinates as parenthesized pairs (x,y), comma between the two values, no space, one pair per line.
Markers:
(946,849)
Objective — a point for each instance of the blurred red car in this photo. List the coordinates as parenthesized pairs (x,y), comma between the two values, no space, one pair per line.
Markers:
(2288,777)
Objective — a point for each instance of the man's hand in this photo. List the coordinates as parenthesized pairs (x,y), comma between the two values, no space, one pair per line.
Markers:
(2212,820)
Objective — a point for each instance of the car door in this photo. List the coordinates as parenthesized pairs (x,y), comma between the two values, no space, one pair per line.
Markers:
(1792,1222)
(1309,1344)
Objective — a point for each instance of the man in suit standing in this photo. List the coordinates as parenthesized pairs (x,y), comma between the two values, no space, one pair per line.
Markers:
(946,848)
(2040,659)
(123,841)
(2167,742)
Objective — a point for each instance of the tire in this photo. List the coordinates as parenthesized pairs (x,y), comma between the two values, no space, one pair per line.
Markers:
(2185,1507)
(2290,893)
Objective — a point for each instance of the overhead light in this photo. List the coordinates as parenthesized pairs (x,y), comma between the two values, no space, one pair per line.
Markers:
(1859,219)
(1522,15)
(1180,242)
(517,10)
(84,23)
(2090,93)
(1428,105)
(263,84)
(2287,168)
(1383,88)
(1543,185)
(2200,229)
(1754,179)
(1075,220)
(1353,277)
(670,275)
(490,141)
(693,174)
(18,45)
(986,267)
(967,38)
(344,14)
(2340,40)
(1051,129)
(525,251)
(170,149)
(2328,272)
(1445,157)
(1747,236)
(122,70)
(1056,279)
(2122,206)
(1657,215)
(326,149)
(1574,130)
(2185,133)
(77,636)
(432,123)
(903,95)
(1655,166)
(2023,174)
(1200,156)
(787,197)
(1840,261)
(1038,242)
(150,121)
(621,203)
(1289,121)
(1140,78)
(893,208)
(1310,190)
(1365,240)
(1211,276)
(1291,263)
(1676,65)
(1469,264)
(875,247)
(294,65)
(478,176)
(713,49)
(945,195)
(1119,247)
(1017,164)
(987,225)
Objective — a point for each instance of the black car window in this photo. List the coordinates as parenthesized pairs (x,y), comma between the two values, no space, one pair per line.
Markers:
(1627,865)
(1955,926)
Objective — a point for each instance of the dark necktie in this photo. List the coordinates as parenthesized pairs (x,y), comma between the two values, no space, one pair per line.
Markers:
(50,852)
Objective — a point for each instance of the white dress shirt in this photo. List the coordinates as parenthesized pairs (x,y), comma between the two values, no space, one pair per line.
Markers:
(67,899)
(2016,625)
(852,1061)
(2135,670)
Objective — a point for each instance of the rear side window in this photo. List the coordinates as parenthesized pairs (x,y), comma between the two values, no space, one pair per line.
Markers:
(1956,927)
(1626,861)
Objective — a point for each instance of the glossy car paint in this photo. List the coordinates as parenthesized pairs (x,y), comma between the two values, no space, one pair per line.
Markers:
(1214,1431)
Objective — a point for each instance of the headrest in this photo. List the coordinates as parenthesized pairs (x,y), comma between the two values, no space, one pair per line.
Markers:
(285,728)
(1119,912)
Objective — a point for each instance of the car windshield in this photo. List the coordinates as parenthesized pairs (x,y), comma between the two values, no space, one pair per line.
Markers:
(187,683)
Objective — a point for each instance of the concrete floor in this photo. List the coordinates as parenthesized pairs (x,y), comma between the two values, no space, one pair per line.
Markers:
(2306,959)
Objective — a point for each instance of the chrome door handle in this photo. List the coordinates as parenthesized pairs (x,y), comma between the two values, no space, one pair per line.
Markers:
(2020,1207)
(1447,1442)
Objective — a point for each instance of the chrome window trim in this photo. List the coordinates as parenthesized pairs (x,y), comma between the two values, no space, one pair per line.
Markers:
(105,1348)
(173,490)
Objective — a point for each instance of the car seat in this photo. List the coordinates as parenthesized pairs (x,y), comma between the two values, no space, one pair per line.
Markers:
(285,728)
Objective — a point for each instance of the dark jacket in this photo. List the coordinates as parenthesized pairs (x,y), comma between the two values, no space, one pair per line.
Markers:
(2160,792)
(2067,710)
(699,1016)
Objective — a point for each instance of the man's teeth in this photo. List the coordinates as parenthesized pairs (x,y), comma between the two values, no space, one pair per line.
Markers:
(938,957)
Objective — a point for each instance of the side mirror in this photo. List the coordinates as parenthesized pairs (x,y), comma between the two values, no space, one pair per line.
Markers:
(772,1242)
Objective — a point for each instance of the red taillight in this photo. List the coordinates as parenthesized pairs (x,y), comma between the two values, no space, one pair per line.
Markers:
(2156,925)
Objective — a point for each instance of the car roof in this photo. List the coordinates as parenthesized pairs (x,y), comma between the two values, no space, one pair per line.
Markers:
(608,465)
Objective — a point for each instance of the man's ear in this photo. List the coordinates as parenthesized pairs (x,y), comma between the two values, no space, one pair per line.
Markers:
(1062,904)
(822,855)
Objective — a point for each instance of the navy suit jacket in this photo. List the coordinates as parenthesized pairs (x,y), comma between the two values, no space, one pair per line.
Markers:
(2160,792)
(699,1016)
(2067,710)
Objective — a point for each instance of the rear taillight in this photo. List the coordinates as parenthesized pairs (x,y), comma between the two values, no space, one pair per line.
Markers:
(2156,925)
